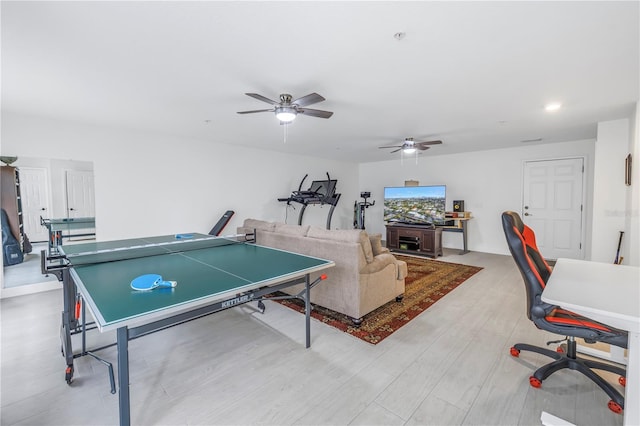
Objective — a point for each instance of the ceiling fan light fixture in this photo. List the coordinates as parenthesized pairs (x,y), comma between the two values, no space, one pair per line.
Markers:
(286,114)
(409,150)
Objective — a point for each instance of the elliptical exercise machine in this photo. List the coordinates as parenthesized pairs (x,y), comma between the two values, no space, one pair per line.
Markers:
(359,209)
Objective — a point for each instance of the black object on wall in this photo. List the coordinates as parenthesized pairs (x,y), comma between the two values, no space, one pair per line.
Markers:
(458,205)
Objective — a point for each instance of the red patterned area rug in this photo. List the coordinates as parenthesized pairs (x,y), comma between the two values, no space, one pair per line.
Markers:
(427,282)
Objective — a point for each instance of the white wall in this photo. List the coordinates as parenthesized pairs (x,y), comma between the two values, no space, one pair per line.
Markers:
(157,184)
(609,190)
(489,182)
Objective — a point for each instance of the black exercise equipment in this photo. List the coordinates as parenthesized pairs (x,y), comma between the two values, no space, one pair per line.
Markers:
(217,229)
(359,208)
(11,251)
(321,192)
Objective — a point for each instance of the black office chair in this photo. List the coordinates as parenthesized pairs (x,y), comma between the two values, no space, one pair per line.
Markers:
(535,272)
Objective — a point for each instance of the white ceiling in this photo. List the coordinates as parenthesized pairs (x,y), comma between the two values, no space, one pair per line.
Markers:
(473,74)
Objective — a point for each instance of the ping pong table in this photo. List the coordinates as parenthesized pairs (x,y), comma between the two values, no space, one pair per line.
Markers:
(65,227)
(212,274)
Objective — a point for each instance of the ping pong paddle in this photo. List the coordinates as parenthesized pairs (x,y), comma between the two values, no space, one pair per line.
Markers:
(148,282)
(183,236)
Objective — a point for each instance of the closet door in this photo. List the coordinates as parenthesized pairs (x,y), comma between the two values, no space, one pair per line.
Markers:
(80,194)
(34,187)
(553,194)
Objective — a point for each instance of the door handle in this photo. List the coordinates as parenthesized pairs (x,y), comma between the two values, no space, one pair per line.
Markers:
(527,214)
(43,209)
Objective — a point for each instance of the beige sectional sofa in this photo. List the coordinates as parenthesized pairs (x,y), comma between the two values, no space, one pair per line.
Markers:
(365,277)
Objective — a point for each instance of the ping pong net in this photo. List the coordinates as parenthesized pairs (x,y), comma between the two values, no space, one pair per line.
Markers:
(155,249)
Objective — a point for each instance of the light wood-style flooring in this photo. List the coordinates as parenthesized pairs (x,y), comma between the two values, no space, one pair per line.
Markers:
(449,366)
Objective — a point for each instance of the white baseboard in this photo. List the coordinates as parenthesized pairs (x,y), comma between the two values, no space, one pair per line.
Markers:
(29,289)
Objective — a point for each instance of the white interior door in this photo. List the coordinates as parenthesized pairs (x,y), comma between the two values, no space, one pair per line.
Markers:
(552,206)
(80,194)
(34,190)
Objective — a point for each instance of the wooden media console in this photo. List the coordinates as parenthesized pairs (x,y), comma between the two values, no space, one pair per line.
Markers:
(415,239)
(425,240)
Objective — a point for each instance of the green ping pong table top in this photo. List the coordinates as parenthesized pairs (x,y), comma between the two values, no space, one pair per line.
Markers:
(203,276)
(66,224)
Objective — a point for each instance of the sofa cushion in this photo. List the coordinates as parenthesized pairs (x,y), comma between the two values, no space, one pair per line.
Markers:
(259,224)
(346,235)
(379,263)
(376,244)
(283,228)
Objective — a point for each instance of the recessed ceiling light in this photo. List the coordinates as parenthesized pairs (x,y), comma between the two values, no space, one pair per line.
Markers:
(399,35)
(554,106)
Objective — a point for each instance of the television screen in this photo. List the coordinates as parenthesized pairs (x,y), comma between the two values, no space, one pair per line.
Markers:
(419,205)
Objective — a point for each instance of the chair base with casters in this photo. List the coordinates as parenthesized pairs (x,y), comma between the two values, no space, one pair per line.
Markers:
(585,366)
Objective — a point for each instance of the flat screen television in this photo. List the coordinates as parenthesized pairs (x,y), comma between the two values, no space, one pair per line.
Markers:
(415,205)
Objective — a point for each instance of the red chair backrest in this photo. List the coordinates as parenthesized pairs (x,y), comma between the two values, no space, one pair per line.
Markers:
(533,267)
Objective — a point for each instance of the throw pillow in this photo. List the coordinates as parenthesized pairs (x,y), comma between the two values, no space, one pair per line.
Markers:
(376,244)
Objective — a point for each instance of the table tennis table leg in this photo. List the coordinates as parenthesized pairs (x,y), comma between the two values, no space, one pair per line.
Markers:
(123,376)
(69,322)
(307,308)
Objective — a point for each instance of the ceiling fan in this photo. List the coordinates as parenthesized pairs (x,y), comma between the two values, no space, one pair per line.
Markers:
(409,146)
(287,109)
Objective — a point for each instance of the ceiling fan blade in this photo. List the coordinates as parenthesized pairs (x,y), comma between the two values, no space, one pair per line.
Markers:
(315,113)
(262,98)
(393,146)
(255,110)
(429,143)
(395,150)
(311,98)
(422,147)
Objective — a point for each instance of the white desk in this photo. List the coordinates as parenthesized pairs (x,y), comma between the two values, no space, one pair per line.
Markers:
(609,294)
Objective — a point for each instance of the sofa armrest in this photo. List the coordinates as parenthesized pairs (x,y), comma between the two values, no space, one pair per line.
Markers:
(379,262)
(403,269)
